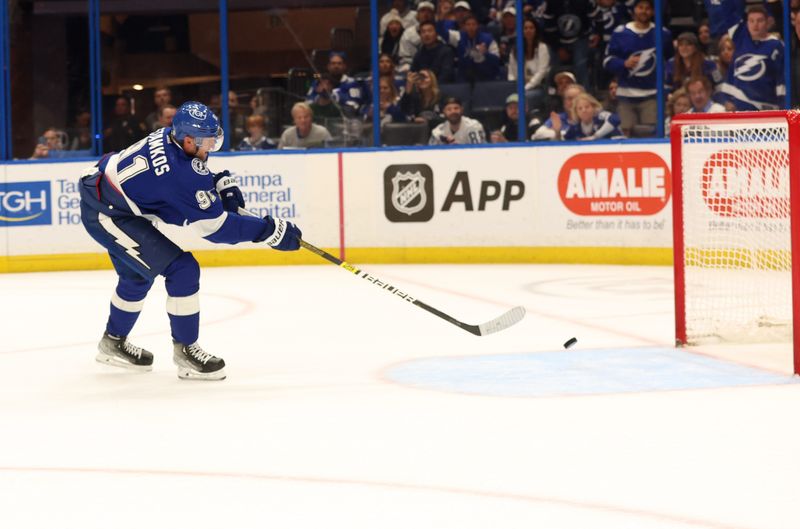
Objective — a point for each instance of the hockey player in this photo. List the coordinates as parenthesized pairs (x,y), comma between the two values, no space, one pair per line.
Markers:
(164,177)
(457,128)
(755,80)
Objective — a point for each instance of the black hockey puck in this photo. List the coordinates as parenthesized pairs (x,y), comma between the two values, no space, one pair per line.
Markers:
(569,343)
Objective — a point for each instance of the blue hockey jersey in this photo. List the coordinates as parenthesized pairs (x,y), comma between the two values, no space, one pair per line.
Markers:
(604,125)
(606,19)
(639,82)
(154,178)
(755,80)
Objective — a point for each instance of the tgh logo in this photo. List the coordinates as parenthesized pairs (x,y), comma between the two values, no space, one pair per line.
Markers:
(408,193)
(197,112)
(24,203)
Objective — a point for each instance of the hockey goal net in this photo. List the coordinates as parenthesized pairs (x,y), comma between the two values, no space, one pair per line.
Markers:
(735,179)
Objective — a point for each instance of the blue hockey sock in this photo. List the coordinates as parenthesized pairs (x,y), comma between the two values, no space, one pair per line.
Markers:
(183,298)
(126,305)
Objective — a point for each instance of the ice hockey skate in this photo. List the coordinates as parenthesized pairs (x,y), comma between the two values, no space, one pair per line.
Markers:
(196,364)
(119,352)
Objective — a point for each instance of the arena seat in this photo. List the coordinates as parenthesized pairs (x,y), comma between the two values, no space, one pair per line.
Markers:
(405,134)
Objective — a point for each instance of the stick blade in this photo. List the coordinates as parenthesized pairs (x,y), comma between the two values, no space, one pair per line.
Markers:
(502,322)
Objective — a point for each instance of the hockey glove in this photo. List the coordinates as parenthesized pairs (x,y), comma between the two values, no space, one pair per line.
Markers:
(229,192)
(283,235)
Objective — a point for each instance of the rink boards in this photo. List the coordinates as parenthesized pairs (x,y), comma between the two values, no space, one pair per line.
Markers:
(571,203)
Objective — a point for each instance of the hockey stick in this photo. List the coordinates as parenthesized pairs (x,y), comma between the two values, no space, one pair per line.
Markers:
(498,324)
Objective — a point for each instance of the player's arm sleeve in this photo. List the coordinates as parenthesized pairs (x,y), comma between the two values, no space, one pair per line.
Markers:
(231,228)
(202,208)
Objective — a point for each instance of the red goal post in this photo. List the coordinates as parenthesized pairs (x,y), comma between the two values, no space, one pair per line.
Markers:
(736,176)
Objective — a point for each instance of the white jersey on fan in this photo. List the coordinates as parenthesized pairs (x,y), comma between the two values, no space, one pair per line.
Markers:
(470,131)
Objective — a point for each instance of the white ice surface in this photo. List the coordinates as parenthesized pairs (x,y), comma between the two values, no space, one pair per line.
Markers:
(309,432)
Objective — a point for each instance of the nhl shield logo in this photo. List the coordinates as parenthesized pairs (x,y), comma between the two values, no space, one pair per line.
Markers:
(408,193)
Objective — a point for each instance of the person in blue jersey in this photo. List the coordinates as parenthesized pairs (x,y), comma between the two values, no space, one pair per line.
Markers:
(755,80)
(588,121)
(477,54)
(164,178)
(337,70)
(567,27)
(631,58)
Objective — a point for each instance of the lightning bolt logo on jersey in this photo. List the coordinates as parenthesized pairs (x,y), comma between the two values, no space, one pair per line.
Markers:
(756,80)
(638,82)
(749,67)
(646,65)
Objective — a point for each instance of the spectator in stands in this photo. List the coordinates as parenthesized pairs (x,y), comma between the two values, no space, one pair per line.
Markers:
(689,62)
(556,125)
(699,89)
(588,121)
(607,16)
(457,128)
(561,80)
(708,46)
(351,97)
(238,118)
(256,139)
(756,81)
(400,9)
(411,42)
(536,10)
(537,64)
(165,115)
(81,132)
(508,130)
(337,70)
(506,33)
(161,97)
(632,59)
(390,39)
(725,58)
(124,128)
(566,30)
(422,100)
(386,67)
(610,100)
(477,54)
(461,10)
(389,103)
(305,133)
(678,102)
(433,55)
(444,11)
(50,145)
(324,107)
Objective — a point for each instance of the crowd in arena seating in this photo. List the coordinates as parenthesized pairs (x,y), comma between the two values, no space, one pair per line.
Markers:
(448,71)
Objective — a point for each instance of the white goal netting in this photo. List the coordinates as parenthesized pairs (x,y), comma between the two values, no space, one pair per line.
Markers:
(736,231)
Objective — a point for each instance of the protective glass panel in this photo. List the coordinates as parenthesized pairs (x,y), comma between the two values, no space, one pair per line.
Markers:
(299,75)
(49,81)
(153,60)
